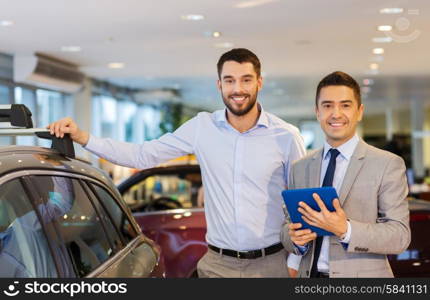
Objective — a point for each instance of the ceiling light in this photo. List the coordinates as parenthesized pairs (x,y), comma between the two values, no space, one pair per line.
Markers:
(384,39)
(368,81)
(192,17)
(216,34)
(374,66)
(378,51)
(391,10)
(385,28)
(253,3)
(224,45)
(116,65)
(6,23)
(71,48)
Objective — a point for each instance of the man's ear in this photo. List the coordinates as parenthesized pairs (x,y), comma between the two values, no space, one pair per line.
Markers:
(317,113)
(360,111)
(218,84)
(260,83)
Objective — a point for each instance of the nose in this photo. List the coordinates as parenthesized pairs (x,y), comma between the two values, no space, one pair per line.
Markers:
(336,113)
(238,88)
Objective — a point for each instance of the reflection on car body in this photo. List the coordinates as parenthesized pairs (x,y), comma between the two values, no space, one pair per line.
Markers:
(181,232)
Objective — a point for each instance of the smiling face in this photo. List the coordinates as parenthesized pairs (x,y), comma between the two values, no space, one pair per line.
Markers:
(239,86)
(338,112)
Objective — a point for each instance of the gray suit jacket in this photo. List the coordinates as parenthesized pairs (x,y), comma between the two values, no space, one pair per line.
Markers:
(373,195)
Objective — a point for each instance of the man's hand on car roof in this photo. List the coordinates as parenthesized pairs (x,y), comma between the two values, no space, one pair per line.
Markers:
(67,125)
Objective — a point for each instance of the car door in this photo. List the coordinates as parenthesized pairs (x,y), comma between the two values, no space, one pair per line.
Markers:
(138,257)
(81,240)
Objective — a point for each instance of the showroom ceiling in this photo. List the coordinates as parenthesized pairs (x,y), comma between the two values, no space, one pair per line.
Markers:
(297,41)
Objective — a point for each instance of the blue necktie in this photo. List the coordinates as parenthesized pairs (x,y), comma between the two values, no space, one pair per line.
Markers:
(328,181)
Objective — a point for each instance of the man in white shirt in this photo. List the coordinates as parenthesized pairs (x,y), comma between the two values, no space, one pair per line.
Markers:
(244,153)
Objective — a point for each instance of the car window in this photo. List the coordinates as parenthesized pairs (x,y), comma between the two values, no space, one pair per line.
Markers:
(166,191)
(117,215)
(24,249)
(79,226)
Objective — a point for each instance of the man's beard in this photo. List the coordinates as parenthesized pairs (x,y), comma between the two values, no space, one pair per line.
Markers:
(243,111)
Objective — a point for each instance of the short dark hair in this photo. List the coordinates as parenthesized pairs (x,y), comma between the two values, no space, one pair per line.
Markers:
(339,78)
(240,55)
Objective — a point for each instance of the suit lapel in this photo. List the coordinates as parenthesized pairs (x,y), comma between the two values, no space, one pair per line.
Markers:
(315,169)
(354,167)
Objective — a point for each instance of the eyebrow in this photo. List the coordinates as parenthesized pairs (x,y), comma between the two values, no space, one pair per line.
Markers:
(331,101)
(244,76)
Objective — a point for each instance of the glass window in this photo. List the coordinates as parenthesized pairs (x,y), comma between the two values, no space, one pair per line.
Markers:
(117,214)
(4,94)
(152,119)
(78,224)
(105,123)
(112,232)
(51,106)
(5,99)
(127,113)
(24,250)
(166,191)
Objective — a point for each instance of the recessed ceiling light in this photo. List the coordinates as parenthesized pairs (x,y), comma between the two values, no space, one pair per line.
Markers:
(253,3)
(116,65)
(224,45)
(216,34)
(374,66)
(385,28)
(6,23)
(382,39)
(192,17)
(391,10)
(71,48)
(378,51)
(368,81)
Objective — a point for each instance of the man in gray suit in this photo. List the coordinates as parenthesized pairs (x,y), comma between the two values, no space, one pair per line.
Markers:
(371,217)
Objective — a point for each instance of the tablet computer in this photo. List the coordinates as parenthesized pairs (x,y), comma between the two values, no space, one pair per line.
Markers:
(293,197)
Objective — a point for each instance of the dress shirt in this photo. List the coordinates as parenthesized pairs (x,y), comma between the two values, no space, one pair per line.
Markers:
(342,161)
(243,173)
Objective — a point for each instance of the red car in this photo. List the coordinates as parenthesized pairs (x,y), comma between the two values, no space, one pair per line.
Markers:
(167,204)
(166,201)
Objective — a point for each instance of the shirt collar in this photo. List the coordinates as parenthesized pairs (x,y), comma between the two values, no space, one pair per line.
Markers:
(263,120)
(346,149)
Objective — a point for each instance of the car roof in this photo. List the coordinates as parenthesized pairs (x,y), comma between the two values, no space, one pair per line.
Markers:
(163,170)
(21,158)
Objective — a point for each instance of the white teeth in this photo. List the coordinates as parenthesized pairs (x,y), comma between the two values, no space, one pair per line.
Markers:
(336,124)
(238,98)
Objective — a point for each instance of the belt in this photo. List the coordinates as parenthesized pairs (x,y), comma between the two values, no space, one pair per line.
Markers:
(252,254)
(322,275)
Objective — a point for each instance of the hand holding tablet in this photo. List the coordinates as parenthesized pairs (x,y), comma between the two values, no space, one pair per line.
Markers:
(292,199)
